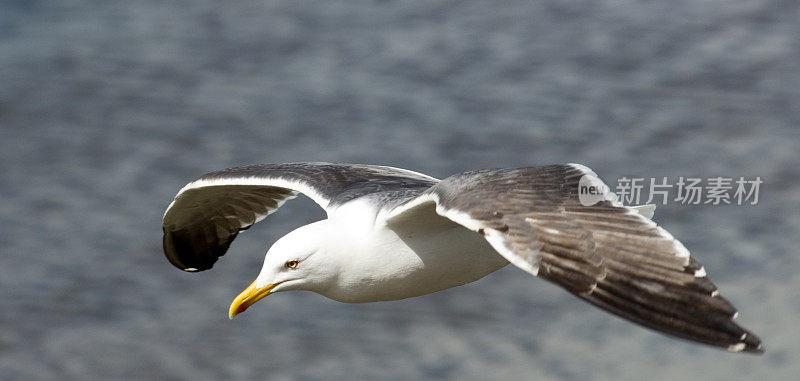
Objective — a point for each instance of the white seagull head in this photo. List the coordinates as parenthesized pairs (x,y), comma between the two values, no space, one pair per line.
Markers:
(297,261)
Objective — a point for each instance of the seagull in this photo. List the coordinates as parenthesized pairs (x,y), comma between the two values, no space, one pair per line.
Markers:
(393,234)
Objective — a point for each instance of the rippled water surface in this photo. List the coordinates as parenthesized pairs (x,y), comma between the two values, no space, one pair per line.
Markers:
(108,108)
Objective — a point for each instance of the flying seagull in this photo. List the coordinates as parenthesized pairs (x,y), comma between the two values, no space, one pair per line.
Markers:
(393,233)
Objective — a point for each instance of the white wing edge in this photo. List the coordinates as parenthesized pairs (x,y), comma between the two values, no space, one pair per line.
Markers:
(294,185)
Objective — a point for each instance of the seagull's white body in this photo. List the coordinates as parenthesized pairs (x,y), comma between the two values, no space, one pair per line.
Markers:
(377,261)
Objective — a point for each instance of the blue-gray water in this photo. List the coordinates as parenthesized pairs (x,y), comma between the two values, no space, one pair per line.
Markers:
(107,108)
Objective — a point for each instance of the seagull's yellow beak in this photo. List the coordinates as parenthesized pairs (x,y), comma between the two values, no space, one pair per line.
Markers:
(248,297)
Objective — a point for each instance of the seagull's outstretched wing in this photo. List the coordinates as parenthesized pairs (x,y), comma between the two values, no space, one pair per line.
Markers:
(607,254)
(208,213)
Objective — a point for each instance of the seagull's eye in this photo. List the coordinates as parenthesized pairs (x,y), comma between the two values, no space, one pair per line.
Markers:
(292,264)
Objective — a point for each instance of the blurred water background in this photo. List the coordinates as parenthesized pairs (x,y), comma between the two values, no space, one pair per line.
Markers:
(107,108)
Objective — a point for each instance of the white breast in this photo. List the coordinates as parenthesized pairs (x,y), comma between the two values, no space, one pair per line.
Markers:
(389,263)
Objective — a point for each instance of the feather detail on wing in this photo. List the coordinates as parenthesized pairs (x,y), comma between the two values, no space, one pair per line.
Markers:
(610,255)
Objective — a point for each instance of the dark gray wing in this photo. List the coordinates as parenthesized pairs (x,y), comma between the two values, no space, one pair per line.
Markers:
(606,254)
(208,213)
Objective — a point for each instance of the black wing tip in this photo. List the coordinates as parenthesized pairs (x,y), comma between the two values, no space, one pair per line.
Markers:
(186,256)
(750,343)
(688,322)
